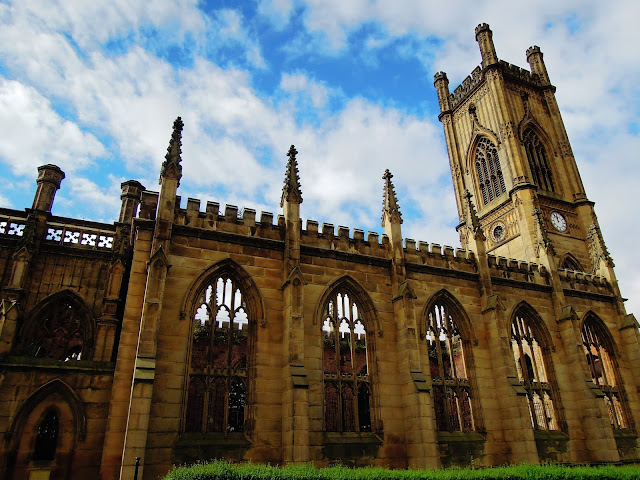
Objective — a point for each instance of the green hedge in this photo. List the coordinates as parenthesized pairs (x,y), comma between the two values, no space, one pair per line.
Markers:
(219,470)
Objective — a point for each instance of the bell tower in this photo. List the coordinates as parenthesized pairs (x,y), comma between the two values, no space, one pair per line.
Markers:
(509,150)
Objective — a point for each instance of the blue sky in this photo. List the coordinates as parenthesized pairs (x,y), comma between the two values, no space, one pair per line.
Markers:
(95,86)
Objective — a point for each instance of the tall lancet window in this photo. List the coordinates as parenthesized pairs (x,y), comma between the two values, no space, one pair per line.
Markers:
(218,370)
(46,442)
(490,178)
(347,387)
(598,349)
(451,387)
(532,358)
(538,162)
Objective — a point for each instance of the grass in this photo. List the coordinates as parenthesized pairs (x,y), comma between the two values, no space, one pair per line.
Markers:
(219,470)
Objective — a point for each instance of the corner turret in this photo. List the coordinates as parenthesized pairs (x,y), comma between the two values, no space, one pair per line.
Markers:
(49,179)
(484,37)
(441,82)
(536,63)
(130,197)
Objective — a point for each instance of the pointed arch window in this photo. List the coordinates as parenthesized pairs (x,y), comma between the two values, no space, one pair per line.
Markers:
(599,353)
(452,393)
(46,441)
(490,178)
(60,331)
(570,263)
(345,360)
(538,162)
(533,363)
(217,391)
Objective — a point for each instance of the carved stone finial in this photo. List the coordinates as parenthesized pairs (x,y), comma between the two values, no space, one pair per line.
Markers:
(472,113)
(471,217)
(542,236)
(173,159)
(291,191)
(597,249)
(390,204)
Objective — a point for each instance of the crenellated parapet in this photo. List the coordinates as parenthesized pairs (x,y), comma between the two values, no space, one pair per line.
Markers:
(467,86)
(582,283)
(510,269)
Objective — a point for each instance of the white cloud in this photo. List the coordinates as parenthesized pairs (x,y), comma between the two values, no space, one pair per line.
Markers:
(277,11)
(90,23)
(300,83)
(236,137)
(227,28)
(34,134)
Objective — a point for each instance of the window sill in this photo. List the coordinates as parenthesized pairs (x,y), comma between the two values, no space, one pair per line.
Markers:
(550,435)
(624,433)
(459,437)
(21,361)
(195,439)
(342,438)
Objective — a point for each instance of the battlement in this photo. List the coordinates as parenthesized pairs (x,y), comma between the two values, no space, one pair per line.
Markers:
(518,73)
(510,268)
(584,282)
(463,90)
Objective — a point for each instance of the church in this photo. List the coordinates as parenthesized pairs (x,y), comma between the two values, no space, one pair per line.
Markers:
(183,334)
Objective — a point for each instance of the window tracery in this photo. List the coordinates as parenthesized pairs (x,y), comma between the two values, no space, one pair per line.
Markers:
(59,332)
(347,388)
(603,368)
(217,391)
(532,363)
(490,178)
(538,163)
(451,388)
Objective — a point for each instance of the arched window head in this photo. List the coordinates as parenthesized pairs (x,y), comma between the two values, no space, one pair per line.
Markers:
(570,263)
(490,178)
(538,163)
(532,360)
(599,353)
(216,396)
(47,438)
(59,331)
(347,389)
(451,388)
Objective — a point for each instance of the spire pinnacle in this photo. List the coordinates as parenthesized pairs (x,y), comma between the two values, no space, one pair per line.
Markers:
(291,191)
(471,216)
(390,204)
(173,156)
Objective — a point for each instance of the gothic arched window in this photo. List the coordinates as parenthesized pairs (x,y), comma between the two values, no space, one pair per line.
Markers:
(598,349)
(451,387)
(538,163)
(59,331)
(347,387)
(490,178)
(46,441)
(570,263)
(531,356)
(217,391)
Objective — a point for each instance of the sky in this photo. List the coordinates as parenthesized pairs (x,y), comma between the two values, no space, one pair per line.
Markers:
(94,87)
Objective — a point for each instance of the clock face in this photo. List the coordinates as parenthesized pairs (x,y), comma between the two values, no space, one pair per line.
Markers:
(558,221)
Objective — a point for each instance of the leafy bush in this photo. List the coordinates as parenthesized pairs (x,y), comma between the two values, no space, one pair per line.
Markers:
(219,470)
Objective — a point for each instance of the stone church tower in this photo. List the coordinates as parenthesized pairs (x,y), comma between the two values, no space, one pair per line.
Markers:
(179,334)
